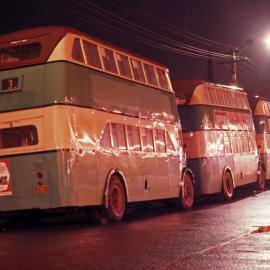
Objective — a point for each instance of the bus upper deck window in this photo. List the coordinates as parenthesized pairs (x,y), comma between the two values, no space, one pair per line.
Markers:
(137,70)
(92,55)
(162,78)
(77,54)
(150,74)
(123,65)
(108,60)
(20,53)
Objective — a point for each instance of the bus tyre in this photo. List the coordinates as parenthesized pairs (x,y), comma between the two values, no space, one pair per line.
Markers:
(261,179)
(116,199)
(227,183)
(188,195)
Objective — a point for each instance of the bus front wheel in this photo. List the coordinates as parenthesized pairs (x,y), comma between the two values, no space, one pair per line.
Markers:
(227,183)
(116,199)
(188,195)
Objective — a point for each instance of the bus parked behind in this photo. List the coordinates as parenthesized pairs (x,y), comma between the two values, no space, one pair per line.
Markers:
(261,117)
(219,135)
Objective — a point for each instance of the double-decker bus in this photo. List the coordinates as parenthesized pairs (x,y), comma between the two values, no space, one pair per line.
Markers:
(261,117)
(83,123)
(219,134)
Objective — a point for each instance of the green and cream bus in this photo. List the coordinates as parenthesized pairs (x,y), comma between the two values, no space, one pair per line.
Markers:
(219,136)
(83,123)
(261,117)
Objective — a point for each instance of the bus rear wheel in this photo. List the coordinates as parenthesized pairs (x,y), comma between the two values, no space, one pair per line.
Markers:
(116,199)
(227,183)
(188,195)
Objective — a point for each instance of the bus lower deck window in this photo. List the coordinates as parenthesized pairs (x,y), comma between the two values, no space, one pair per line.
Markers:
(18,136)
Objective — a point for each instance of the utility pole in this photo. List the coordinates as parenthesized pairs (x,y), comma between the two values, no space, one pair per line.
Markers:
(235,59)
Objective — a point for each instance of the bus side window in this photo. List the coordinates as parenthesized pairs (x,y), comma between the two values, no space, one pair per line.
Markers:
(147,140)
(137,70)
(123,65)
(150,74)
(268,105)
(227,144)
(251,145)
(108,59)
(162,78)
(240,143)
(245,143)
(234,144)
(133,136)
(106,137)
(169,145)
(92,54)
(160,141)
(77,54)
(268,126)
(119,136)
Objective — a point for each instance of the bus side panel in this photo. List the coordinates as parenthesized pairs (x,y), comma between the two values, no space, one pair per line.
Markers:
(208,171)
(208,174)
(263,142)
(266,162)
(246,171)
(83,180)
(66,181)
(31,190)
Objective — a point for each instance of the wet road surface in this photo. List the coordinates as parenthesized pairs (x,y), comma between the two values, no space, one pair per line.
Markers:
(214,235)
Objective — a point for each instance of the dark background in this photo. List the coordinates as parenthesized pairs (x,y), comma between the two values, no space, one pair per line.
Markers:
(229,22)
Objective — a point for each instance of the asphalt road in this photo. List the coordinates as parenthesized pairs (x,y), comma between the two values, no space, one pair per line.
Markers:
(214,235)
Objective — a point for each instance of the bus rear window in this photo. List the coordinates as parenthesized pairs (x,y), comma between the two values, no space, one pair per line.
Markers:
(20,53)
(18,137)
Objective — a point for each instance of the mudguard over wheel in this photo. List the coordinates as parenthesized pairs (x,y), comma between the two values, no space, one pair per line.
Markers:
(116,199)
(188,195)
(227,185)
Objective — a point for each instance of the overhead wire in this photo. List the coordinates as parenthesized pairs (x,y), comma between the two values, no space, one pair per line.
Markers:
(142,30)
(253,65)
(147,37)
(246,73)
(87,19)
(171,28)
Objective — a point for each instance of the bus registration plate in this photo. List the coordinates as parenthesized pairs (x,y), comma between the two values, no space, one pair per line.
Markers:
(41,188)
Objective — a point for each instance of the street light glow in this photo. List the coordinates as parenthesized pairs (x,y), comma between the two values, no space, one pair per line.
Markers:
(267,41)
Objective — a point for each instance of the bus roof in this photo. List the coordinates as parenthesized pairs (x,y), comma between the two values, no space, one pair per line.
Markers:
(259,105)
(196,91)
(40,34)
(184,88)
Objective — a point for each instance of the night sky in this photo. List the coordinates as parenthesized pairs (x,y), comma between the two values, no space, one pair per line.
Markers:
(230,23)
